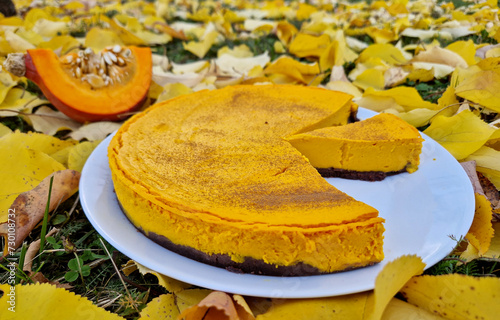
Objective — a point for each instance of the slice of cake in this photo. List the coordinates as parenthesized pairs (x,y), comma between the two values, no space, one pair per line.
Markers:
(209,176)
(368,150)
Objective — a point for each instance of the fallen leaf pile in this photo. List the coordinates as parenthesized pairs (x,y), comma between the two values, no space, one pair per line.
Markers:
(435,64)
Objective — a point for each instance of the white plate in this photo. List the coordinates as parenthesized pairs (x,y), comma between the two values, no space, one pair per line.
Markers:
(422,210)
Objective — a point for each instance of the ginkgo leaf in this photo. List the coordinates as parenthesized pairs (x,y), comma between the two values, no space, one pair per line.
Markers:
(6,84)
(47,28)
(481,87)
(439,55)
(17,43)
(98,39)
(200,48)
(407,97)
(286,31)
(79,154)
(466,49)
(455,296)
(370,79)
(292,68)
(45,301)
(487,162)
(190,297)
(481,228)
(494,249)
(49,122)
(163,307)
(191,67)
(306,45)
(216,306)
(234,66)
(241,51)
(172,285)
(95,130)
(19,100)
(439,70)
(389,281)
(63,44)
(387,52)
(344,86)
(4,130)
(398,310)
(172,90)
(461,135)
(345,307)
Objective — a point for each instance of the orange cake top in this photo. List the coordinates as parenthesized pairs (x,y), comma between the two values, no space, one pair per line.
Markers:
(219,156)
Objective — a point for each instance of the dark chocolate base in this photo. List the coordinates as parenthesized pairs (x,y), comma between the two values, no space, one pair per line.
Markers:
(249,265)
(356,175)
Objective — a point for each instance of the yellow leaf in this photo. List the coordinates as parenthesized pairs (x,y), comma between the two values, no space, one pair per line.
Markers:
(47,28)
(17,43)
(190,297)
(440,56)
(79,154)
(481,87)
(292,68)
(306,45)
(471,252)
(381,36)
(461,135)
(200,48)
(370,78)
(407,97)
(45,301)
(398,310)
(389,281)
(4,130)
(151,38)
(421,75)
(488,163)
(241,51)
(218,306)
(416,117)
(98,39)
(346,307)
(387,52)
(494,250)
(19,100)
(455,296)
(305,10)
(163,307)
(6,84)
(466,49)
(49,122)
(172,90)
(379,103)
(344,86)
(481,228)
(285,31)
(172,285)
(60,43)
(95,130)
(448,98)
(18,161)
(35,14)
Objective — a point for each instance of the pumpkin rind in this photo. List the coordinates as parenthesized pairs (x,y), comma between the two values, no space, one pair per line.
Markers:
(77,99)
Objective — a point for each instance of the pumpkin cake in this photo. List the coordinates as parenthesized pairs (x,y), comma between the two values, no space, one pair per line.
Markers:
(371,149)
(209,176)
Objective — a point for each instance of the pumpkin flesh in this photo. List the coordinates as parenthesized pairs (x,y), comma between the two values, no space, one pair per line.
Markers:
(78,99)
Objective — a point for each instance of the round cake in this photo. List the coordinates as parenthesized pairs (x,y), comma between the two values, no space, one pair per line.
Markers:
(210,176)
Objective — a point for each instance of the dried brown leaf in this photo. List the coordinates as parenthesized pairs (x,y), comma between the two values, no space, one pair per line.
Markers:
(29,207)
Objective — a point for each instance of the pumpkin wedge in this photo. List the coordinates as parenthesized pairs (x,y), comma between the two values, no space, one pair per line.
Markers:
(88,86)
